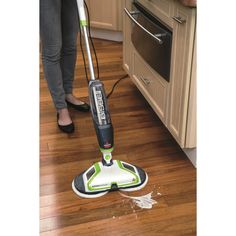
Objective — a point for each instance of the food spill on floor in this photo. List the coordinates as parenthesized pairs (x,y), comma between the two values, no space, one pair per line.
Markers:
(144,202)
(135,204)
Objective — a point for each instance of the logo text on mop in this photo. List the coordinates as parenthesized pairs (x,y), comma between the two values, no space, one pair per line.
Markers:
(100,105)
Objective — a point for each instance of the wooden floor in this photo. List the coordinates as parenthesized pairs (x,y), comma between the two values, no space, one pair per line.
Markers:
(140,138)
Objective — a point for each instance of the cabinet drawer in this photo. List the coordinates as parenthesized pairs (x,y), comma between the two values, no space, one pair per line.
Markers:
(151,85)
(161,8)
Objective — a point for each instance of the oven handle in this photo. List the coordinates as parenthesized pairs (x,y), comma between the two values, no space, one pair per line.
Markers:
(129,14)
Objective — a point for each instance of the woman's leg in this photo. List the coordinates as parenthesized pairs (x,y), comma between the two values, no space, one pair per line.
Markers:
(70,27)
(51,41)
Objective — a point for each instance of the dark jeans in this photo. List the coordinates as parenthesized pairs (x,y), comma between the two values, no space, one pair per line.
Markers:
(58,33)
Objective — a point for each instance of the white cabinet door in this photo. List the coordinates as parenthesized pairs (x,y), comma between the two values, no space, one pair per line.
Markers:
(104,14)
(191,133)
(182,55)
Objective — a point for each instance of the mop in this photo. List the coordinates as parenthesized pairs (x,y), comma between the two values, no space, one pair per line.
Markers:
(108,174)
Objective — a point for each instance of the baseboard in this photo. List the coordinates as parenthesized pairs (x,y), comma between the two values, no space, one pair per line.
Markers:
(107,34)
(192,155)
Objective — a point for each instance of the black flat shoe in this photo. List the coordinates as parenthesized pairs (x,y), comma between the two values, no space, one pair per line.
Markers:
(66,128)
(84,107)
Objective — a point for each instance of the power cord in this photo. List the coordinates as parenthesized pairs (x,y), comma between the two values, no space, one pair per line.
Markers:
(81,47)
(95,54)
(115,84)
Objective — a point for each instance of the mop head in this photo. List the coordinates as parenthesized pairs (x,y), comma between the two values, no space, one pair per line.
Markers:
(100,179)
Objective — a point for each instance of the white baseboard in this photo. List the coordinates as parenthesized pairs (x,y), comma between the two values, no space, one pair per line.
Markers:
(107,34)
(192,155)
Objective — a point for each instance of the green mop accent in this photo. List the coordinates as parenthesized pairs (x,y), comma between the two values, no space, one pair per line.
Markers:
(106,150)
(98,170)
(136,180)
(83,23)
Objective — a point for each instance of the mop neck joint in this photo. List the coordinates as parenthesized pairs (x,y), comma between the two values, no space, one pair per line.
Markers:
(107,157)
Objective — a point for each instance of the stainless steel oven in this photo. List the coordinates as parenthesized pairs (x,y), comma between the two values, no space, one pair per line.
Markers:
(152,39)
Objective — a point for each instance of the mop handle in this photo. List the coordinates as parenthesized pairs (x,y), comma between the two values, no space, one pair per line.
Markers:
(83,25)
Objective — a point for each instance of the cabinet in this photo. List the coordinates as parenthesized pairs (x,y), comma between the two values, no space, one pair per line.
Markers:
(105,14)
(127,45)
(152,85)
(161,8)
(173,102)
(182,57)
(191,132)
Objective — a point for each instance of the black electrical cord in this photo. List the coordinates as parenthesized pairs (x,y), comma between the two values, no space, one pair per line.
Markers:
(115,84)
(83,56)
(95,54)
(85,67)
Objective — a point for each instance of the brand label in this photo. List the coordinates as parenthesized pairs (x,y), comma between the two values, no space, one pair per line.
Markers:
(100,105)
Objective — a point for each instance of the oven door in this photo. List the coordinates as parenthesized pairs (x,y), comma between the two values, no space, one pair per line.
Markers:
(152,39)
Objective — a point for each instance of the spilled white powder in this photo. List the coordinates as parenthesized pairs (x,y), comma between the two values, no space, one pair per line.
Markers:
(144,201)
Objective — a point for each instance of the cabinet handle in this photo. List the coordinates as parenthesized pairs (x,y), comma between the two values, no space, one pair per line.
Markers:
(145,80)
(134,12)
(130,15)
(179,19)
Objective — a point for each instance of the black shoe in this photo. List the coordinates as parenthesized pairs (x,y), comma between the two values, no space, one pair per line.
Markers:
(66,128)
(84,107)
